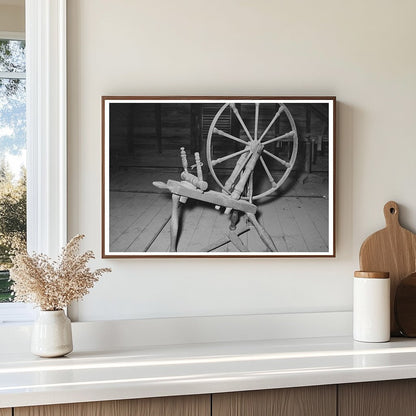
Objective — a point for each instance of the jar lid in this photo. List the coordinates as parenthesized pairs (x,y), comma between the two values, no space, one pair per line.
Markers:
(372,275)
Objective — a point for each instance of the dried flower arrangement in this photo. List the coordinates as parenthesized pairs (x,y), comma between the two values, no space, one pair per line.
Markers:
(52,285)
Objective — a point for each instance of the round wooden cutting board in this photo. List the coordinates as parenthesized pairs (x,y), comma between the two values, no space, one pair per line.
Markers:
(393,250)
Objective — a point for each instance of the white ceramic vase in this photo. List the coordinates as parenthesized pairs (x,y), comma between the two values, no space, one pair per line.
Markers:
(52,334)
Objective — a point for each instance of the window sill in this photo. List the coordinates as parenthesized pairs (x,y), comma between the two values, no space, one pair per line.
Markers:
(16,313)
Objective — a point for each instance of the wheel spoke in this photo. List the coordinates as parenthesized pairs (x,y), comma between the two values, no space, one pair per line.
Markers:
(281,161)
(237,114)
(269,175)
(256,121)
(223,159)
(229,136)
(282,137)
(276,116)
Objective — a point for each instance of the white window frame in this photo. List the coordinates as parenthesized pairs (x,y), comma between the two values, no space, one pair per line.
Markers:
(46,125)
(46,134)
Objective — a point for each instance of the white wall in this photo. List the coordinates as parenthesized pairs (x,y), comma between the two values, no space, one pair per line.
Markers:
(361,51)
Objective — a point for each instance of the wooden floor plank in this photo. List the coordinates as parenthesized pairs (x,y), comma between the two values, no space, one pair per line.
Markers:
(121,205)
(269,218)
(202,234)
(292,234)
(219,230)
(118,199)
(162,242)
(318,211)
(149,231)
(312,237)
(127,214)
(140,220)
(255,244)
(280,244)
(199,231)
(144,217)
(322,206)
(191,214)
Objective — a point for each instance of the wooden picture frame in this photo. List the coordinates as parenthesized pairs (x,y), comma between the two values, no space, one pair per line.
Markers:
(218,176)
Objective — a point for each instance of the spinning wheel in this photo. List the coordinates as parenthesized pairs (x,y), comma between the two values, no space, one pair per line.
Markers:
(238,190)
(254,146)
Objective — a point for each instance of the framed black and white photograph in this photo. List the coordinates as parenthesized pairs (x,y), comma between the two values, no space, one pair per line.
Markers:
(218,176)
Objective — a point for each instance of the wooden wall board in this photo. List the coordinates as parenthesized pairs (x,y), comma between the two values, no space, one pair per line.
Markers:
(381,398)
(141,133)
(6,412)
(160,406)
(300,401)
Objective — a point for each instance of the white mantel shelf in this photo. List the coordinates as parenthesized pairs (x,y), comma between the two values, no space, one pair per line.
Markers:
(148,371)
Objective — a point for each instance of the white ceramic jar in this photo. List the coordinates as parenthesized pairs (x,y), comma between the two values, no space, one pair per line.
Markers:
(371,307)
(52,334)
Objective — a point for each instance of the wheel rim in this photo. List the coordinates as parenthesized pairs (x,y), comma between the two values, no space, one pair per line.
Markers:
(256,136)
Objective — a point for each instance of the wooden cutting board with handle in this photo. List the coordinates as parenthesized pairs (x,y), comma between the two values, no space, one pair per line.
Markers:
(393,250)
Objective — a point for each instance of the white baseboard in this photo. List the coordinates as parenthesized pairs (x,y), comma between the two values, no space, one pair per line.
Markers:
(110,335)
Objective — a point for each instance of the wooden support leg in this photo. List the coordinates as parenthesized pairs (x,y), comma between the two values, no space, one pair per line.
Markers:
(235,239)
(174,222)
(265,237)
(225,240)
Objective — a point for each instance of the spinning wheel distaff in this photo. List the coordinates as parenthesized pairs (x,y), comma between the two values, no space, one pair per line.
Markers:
(238,190)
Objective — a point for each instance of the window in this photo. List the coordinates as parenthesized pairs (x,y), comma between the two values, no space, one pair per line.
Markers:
(46,135)
(12,155)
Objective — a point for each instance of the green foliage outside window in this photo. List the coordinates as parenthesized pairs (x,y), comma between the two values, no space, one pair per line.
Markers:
(12,224)
(12,150)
